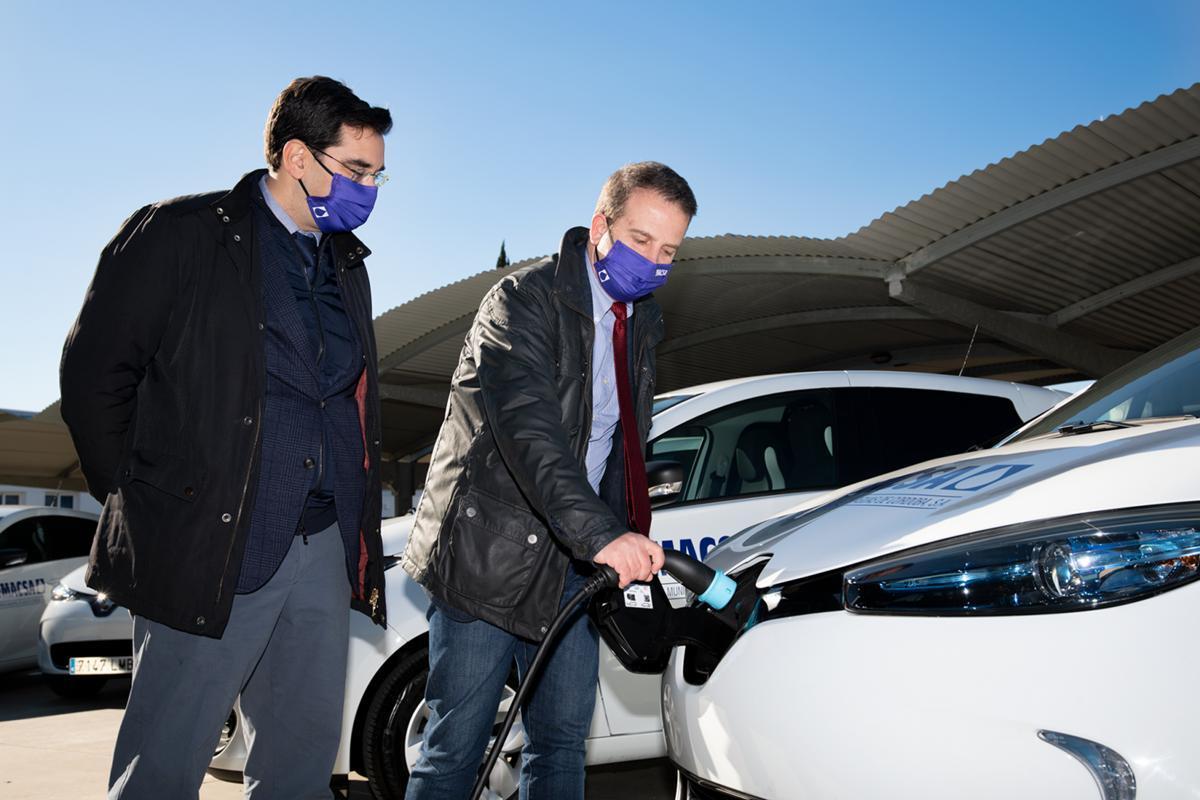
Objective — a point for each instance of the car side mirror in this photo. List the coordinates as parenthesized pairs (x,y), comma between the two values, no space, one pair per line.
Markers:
(13,556)
(665,480)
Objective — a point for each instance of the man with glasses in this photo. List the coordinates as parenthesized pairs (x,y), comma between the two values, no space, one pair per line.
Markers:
(221,389)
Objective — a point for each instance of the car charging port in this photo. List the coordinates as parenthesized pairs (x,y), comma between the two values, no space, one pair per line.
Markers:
(708,646)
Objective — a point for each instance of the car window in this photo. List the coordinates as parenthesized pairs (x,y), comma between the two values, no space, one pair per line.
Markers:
(777,443)
(1163,383)
(67,537)
(661,404)
(682,445)
(899,427)
(24,535)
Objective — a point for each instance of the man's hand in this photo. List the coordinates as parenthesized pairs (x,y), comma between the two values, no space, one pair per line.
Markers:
(635,557)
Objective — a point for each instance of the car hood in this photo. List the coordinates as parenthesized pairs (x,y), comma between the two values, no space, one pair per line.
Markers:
(1023,482)
(74,581)
(394,533)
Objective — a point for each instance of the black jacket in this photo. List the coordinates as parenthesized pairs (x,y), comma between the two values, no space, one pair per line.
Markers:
(162,388)
(507,502)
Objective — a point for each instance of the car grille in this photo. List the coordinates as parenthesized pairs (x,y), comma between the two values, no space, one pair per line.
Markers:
(61,654)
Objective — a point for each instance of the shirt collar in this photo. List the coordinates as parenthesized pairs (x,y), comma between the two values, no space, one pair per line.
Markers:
(601,300)
(284,218)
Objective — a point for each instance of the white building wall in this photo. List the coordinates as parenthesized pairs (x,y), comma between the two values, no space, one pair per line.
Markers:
(30,496)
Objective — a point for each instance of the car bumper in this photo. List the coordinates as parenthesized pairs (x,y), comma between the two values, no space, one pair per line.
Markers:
(69,628)
(844,705)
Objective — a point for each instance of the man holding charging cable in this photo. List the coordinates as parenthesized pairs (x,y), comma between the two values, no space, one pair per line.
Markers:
(537,475)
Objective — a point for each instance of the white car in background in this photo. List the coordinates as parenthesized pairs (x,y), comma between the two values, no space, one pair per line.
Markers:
(720,456)
(38,546)
(84,639)
(1013,623)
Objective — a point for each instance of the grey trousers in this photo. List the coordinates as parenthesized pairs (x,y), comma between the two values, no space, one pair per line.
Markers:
(284,651)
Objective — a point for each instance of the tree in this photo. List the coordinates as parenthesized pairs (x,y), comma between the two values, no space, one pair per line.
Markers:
(502,260)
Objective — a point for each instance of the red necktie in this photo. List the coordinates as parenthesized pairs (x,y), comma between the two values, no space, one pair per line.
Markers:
(637,496)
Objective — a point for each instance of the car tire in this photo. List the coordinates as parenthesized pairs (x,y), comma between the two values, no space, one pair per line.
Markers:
(76,687)
(390,719)
(384,722)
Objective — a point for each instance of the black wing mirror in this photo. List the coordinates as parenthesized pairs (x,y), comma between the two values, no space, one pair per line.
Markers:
(13,556)
(665,479)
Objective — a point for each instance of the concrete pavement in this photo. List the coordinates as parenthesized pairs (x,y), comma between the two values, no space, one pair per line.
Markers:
(52,748)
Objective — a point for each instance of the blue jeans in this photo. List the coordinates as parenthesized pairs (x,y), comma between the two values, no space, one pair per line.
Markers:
(469,661)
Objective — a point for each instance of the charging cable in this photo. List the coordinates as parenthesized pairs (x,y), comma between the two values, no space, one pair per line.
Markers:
(711,587)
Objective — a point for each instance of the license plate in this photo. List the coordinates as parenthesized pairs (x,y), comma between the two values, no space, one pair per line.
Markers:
(101,665)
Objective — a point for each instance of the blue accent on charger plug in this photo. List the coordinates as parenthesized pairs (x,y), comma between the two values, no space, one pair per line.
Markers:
(719,592)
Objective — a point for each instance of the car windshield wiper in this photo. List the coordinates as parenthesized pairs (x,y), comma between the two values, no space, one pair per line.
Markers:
(1071,429)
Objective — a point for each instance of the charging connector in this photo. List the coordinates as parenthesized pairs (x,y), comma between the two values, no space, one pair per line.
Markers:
(711,587)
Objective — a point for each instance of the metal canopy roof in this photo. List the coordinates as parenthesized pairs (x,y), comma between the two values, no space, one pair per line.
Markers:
(1070,257)
(37,451)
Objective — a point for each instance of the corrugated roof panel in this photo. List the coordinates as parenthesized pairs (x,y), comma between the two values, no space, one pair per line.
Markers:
(890,238)
(703,302)
(1098,150)
(1057,161)
(1186,175)
(962,202)
(1077,159)
(933,219)
(705,247)
(1183,109)
(1142,129)
(1085,247)
(1145,320)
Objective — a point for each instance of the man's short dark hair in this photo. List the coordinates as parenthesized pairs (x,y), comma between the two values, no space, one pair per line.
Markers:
(644,175)
(314,110)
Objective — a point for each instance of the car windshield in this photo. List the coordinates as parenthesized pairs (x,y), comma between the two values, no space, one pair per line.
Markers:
(1163,383)
(661,404)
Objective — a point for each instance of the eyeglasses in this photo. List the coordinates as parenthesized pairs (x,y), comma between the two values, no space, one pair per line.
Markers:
(378,178)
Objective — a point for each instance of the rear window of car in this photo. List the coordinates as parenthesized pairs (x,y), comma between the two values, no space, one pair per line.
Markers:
(900,427)
(819,439)
(67,537)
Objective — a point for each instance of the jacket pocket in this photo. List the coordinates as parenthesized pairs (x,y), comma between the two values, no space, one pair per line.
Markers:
(493,550)
(166,472)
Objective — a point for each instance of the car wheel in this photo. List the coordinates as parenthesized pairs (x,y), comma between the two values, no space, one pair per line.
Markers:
(76,687)
(394,728)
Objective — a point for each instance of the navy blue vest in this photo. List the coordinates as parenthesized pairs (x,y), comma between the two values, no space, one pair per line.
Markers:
(311,465)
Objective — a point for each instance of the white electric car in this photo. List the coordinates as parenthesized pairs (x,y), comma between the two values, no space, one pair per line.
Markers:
(1012,623)
(721,455)
(84,639)
(38,545)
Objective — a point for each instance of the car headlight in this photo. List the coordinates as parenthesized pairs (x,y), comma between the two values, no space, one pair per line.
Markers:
(1069,564)
(63,592)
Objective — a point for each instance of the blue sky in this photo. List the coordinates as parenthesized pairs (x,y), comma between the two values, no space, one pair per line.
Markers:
(787,118)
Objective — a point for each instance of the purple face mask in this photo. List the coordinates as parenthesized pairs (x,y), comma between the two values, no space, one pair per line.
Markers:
(628,275)
(347,205)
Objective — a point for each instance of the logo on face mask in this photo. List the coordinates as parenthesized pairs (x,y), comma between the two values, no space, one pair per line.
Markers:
(319,212)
